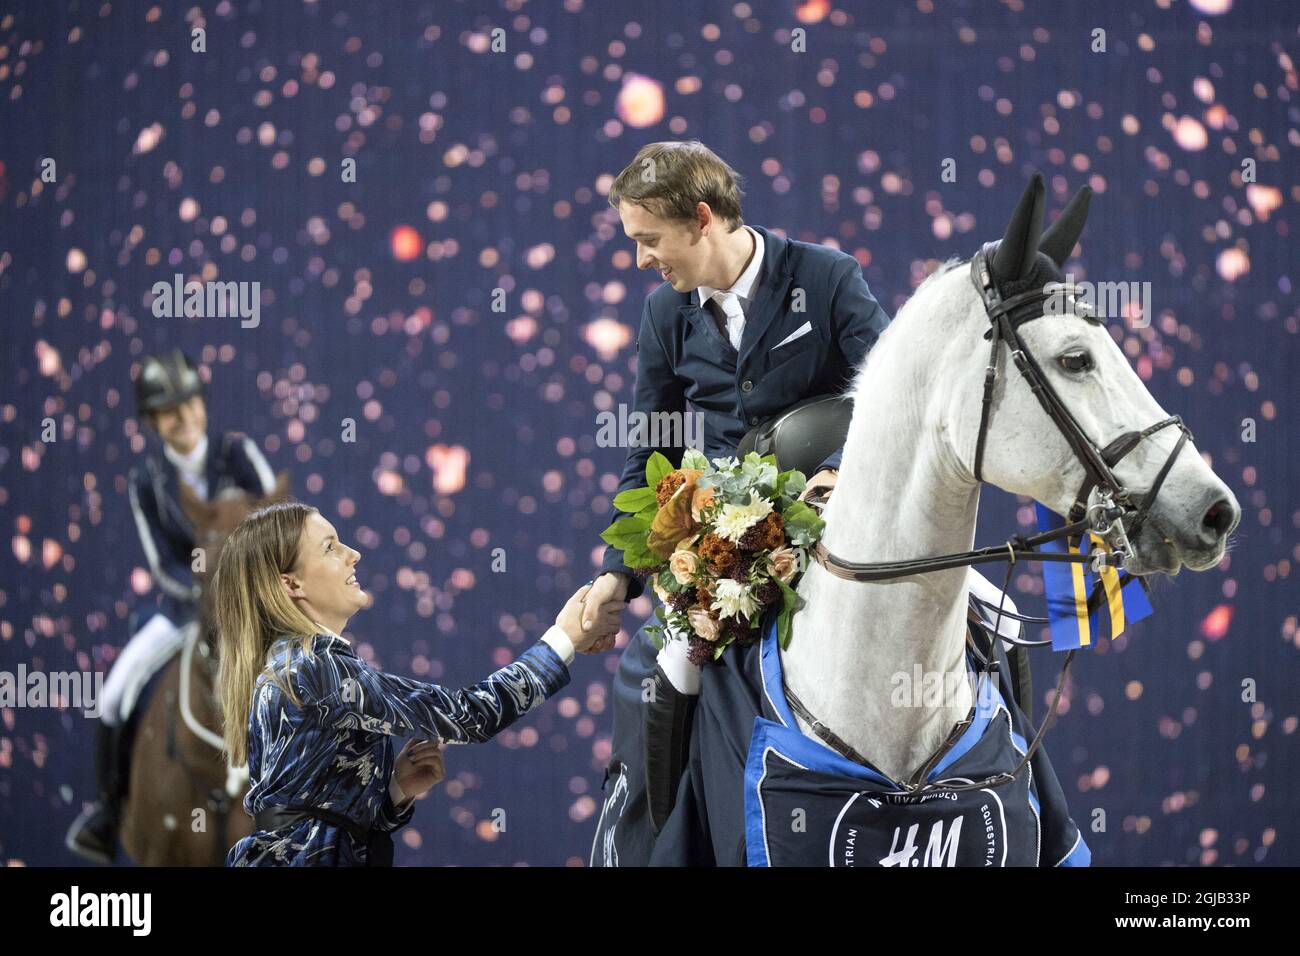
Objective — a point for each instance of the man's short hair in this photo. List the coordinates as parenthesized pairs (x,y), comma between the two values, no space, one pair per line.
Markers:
(670,178)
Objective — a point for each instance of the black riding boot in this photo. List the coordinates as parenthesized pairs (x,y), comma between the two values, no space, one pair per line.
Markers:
(93,834)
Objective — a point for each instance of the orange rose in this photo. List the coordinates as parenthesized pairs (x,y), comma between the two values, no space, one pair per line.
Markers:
(783,564)
(703,623)
(701,499)
(683,564)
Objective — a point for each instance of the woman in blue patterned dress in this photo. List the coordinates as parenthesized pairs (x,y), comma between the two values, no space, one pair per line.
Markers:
(314,721)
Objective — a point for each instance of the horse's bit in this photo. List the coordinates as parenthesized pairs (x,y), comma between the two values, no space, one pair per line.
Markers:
(1105,518)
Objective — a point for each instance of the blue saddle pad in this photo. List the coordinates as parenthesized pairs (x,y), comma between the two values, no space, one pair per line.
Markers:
(806,805)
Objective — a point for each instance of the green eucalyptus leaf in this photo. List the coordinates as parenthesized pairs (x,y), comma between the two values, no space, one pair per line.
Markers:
(803,525)
(694,458)
(792,483)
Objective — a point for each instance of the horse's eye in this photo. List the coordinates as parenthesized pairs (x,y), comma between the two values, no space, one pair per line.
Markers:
(1076,361)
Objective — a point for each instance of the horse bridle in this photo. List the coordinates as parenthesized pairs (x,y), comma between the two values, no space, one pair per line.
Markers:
(1105,518)
(1006,316)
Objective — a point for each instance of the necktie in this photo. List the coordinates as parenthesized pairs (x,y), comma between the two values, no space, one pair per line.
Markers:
(727,306)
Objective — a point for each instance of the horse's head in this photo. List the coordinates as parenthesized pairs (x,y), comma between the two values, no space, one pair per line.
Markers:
(214,520)
(1027,448)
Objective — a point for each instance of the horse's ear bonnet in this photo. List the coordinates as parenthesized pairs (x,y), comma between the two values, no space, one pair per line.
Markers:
(1061,235)
(1015,260)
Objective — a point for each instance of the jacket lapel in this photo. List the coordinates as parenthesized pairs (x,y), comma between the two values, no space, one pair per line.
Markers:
(704,322)
(216,468)
(166,491)
(773,283)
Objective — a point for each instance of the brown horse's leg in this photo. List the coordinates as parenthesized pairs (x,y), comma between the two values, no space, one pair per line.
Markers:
(225,817)
(139,808)
(157,813)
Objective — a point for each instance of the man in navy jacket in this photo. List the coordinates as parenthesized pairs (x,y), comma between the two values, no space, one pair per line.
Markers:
(746,324)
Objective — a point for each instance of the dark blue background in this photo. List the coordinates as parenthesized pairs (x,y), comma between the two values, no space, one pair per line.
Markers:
(841,144)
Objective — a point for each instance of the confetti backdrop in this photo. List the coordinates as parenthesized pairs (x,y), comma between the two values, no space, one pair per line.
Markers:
(481,168)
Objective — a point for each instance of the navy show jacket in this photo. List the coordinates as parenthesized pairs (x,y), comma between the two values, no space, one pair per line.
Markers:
(684,359)
(233,461)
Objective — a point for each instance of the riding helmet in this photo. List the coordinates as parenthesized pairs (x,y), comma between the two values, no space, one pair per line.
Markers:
(165,380)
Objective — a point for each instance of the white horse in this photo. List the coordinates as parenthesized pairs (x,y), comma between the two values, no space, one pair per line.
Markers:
(907,489)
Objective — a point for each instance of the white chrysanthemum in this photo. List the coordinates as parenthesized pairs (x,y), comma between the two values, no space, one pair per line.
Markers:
(732,597)
(734,520)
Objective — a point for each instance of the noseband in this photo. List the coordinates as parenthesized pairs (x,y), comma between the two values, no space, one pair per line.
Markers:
(1105,518)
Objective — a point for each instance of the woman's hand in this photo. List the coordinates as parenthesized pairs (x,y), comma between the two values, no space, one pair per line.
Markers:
(600,636)
(419,767)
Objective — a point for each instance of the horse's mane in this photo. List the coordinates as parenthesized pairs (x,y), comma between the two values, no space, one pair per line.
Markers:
(917,303)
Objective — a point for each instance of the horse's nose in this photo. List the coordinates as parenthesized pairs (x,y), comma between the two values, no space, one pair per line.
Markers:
(1219,520)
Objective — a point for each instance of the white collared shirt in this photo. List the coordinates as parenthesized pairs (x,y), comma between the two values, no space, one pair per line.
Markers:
(736,300)
(191,466)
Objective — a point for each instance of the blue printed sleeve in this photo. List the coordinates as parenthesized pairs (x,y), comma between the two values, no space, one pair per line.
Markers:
(351,694)
(389,818)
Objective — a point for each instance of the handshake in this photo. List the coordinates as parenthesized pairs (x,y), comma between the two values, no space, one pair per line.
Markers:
(591,617)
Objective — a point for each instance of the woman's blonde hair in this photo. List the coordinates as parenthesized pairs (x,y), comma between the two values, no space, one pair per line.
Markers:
(252,610)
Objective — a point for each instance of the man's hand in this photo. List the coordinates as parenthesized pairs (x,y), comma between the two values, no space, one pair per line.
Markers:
(824,479)
(607,593)
(589,639)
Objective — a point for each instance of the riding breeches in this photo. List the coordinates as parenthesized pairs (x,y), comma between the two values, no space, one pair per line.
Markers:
(148,651)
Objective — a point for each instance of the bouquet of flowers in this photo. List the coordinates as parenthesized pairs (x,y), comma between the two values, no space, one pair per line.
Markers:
(722,543)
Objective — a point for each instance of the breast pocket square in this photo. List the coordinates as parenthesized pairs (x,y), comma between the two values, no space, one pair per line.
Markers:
(802,330)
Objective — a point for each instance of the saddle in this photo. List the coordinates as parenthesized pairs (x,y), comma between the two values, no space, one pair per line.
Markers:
(802,436)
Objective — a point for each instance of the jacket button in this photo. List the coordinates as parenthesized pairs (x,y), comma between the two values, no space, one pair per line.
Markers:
(754,420)
(747,386)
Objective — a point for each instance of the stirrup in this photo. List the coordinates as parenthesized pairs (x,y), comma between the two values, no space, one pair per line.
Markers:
(96,851)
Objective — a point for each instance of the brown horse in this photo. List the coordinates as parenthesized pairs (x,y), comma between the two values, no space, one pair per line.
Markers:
(183,806)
